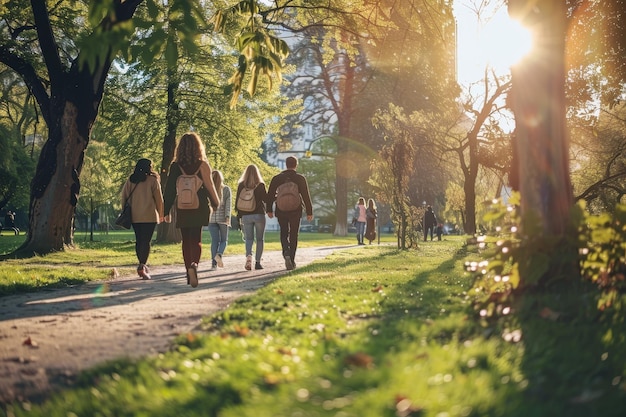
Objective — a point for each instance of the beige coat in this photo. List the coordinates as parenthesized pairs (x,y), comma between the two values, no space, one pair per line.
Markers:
(146,201)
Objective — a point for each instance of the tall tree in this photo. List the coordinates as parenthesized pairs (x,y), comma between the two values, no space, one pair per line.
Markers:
(405,56)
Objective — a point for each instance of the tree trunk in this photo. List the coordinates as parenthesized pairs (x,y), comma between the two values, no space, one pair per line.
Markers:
(69,99)
(56,185)
(167,232)
(341,189)
(538,101)
(343,110)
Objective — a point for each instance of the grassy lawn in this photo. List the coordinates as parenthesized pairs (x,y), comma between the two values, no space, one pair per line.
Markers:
(95,259)
(373,332)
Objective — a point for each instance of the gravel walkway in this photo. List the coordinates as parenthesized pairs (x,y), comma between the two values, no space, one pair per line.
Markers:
(47,337)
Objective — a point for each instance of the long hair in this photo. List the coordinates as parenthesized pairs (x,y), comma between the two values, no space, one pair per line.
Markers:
(251,177)
(371,204)
(190,149)
(361,201)
(143,168)
(218,180)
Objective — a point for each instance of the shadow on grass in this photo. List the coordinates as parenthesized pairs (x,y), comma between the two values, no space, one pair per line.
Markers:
(575,355)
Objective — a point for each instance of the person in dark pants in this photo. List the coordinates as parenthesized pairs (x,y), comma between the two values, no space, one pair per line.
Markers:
(143,191)
(289,221)
(430,222)
(190,157)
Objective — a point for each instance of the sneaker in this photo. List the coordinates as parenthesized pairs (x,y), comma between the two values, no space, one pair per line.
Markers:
(218,260)
(258,265)
(213,266)
(288,263)
(192,272)
(143,272)
(248,262)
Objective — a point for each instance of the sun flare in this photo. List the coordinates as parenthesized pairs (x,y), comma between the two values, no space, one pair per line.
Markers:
(498,43)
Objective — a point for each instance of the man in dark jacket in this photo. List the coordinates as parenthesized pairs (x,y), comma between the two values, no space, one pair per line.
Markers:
(289,221)
(430,221)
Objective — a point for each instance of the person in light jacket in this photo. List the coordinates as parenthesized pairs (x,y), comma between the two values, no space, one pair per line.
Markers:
(143,191)
(190,155)
(219,222)
(360,214)
(253,222)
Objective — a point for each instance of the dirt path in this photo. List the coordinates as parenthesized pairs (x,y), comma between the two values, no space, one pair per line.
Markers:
(47,337)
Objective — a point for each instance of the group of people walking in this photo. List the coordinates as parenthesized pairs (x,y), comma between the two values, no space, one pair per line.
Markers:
(212,207)
(364,219)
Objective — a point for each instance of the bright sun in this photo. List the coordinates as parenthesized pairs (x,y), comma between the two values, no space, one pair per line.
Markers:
(499,43)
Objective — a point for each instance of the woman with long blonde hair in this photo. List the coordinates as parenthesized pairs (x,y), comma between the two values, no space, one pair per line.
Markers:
(252,218)
(190,158)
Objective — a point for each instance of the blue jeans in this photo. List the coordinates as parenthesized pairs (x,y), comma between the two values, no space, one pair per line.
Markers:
(253,225)
(360,231)
(219,238)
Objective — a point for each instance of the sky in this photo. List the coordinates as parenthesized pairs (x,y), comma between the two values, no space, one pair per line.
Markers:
(497,40)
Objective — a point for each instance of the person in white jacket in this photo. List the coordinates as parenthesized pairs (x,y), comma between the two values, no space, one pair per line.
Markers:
(219,222)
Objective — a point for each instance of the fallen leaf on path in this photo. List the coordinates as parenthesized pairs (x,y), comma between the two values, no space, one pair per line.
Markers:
(586,396)
(547,313)
(359,359)
(406,408)
(242,331)
(30,342)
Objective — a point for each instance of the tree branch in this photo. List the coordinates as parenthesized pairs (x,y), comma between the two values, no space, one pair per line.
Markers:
(30,77)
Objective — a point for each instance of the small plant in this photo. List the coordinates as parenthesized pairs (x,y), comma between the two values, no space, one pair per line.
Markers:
(512,262)
(497,273)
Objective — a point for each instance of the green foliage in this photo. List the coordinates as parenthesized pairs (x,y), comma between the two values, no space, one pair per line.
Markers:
(16,169)
(261,52)
(603,247)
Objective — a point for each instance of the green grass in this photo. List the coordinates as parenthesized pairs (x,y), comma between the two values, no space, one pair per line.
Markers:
(373,332)
(95,259)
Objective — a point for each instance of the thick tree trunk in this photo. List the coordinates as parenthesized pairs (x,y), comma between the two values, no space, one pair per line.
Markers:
(56,186)
(69,99)
(538,101)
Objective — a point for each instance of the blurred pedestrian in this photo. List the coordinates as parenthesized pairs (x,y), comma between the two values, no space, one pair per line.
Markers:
(360,217)
(371,214)
(430,221)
